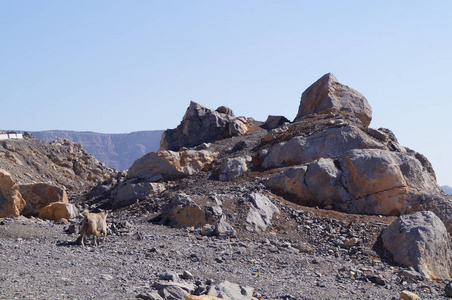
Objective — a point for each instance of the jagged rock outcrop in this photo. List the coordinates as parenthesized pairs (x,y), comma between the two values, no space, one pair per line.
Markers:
(201,124)
(40,195)
(260,212)
(233,168)
(11,201)
(170,165)
(420,240)
(328,95)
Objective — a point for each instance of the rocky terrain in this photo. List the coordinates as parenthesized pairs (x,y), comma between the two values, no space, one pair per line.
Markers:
(116,151)
(324,207)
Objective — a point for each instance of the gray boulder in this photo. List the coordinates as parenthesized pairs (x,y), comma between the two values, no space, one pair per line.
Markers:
(328,95)
(231,291)
(327,144)
(273,122)
(199,125)
(223,228)
(233,168)
(182,211)
(128,192)
(420,240)
(260,213)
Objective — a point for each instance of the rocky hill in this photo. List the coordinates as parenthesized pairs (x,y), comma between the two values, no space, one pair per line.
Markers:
(324,207)
(116,151)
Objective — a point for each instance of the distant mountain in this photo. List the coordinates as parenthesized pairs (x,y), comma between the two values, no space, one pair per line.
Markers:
(447,189)
(117,151)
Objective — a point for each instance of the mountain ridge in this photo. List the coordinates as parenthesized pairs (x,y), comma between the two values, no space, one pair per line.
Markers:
(116,150)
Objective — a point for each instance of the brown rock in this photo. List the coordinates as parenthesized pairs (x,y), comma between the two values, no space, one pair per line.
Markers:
(407,295)
(58,210)
(11,201)
(169,165)
(40,195)
(327,94)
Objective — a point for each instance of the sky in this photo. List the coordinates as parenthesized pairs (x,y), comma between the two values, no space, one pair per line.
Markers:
(123,66)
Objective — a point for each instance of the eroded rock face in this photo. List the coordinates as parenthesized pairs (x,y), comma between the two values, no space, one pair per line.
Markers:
(327,94)
(201,124)
(367,181)
(329,143)
(420,240)
(40,195)
(11,201)
(170,165)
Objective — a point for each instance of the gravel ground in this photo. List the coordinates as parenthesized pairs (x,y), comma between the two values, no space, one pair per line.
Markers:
(39,260)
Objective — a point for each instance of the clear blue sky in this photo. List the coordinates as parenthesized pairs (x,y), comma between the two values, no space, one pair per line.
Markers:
(122,66)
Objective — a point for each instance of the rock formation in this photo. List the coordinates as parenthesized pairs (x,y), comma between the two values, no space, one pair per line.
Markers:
(59,210)
(201,124)
(11,201)
(40,195)
(328,95)
(420,240)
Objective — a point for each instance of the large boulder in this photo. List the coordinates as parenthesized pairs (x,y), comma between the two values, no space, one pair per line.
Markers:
(182,211)
(170,165)
(39,195)
(231,291)
(11,201)
(367,181)
(420,240)
(329,143)
(328,95)
(59,210)
(129,192)
(233,168)
(260,213)
(201,124)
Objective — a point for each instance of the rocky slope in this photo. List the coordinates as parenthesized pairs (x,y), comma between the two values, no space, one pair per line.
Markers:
(280,210)
(116,151)
(61,163)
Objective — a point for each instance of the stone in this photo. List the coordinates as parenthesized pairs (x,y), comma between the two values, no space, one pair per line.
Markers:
(448,289)
(39,195)
(350,242)
(260,213)
(187,275)
(173,290)
(223,228)
(199,125)
(129,193)
(181,212)
(58,210)
(231,291)
(202,297)
(238,126)
(329,143)
(11,201)
(233,168)
(170,165)
(328,95)
(273,122)
(420,240)
(225,110)
(407,295)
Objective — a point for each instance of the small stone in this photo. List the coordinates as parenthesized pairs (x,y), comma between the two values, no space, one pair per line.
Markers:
(350,242)
(448,290)
(406,295)
(187,275)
